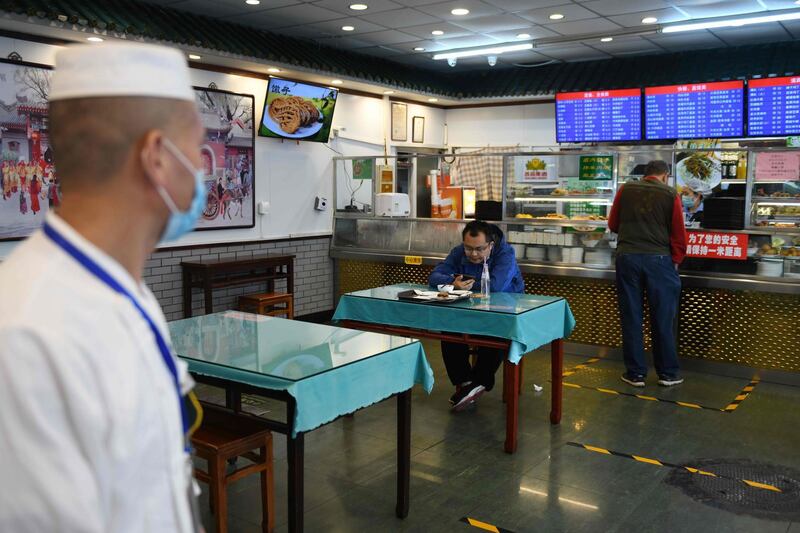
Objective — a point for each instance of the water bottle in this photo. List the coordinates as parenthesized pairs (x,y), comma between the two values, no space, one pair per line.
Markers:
(485,280)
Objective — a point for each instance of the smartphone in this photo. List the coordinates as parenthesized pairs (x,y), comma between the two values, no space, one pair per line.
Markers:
(466,277)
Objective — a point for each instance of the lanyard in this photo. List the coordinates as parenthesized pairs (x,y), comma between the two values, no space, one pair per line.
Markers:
(105,277)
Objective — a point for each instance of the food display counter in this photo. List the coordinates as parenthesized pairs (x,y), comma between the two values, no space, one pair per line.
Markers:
(740,301)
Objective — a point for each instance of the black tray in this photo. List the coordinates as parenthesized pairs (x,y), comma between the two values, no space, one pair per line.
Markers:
(409,296)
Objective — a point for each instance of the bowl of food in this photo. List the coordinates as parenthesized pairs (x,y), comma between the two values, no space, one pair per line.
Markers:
(701,172)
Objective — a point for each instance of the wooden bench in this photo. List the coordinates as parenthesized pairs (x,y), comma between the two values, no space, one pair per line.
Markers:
(222,437)
(268,303)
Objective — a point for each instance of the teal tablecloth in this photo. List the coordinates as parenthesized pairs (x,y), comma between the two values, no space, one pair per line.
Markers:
(528,321)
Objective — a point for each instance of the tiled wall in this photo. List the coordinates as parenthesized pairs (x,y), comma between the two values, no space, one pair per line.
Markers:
(313,275)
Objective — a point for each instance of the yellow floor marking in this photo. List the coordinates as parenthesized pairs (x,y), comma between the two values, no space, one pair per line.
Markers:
(643,397)
(572,385)
(741,397)
(482,525)
(594,449)
(758,485)
(692,405)
(608,391)
(646,460)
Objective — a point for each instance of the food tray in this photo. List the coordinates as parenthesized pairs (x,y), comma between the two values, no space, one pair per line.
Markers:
(414,297)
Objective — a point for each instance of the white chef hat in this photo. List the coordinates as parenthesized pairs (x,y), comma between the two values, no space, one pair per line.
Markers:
(120,69)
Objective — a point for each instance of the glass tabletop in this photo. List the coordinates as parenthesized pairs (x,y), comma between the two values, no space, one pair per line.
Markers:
(275,347)
(499,302)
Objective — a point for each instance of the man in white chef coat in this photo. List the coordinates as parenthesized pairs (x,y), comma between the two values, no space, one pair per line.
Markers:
(93,416)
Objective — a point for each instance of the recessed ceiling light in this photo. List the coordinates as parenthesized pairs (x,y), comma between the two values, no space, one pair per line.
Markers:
(95,39)
(556,16)
(348,28)
(523,36)
(252,2)
(459,12)
(797,2)
(194,56)
(433,99)
(649,20)
(419,49)
(337,82)
(388,92)
(273,70)
(358,7)
(606,39)
(437,32)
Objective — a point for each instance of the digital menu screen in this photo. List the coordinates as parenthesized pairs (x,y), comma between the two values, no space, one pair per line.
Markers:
(599,116)
(773,106)
(695,110)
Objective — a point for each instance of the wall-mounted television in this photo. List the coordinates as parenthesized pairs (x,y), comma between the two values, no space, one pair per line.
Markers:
(773,106)
(694,111)
(298,111)
(599,116)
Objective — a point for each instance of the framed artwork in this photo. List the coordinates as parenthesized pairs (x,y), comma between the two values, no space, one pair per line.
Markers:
(28,182)
(399,122)
(228,159)
(418,129)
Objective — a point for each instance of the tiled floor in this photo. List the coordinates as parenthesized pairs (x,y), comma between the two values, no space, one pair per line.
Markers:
(459,468)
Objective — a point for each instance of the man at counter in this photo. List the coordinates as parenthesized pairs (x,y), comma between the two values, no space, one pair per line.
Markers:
(482,243)
(648,217)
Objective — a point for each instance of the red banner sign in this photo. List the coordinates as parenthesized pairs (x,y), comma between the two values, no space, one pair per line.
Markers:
(714,245)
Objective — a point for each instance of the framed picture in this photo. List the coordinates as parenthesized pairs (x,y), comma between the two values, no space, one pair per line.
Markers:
(418,129)
(228,159)
(28,182)
(399,122)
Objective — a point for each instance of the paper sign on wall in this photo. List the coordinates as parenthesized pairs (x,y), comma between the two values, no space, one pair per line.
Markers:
(542,168)
(714,245)
(363,169)
(777,166)
(596,167)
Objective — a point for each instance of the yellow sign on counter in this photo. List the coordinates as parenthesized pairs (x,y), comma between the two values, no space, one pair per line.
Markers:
(413,260)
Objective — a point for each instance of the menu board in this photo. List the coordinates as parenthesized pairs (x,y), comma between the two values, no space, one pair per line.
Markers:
(694,111)
(599,116)
(773,106)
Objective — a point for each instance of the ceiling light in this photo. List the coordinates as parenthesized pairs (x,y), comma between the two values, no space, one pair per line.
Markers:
(606,39)
(273,70)
(556,16)
(419,49)
(358,7)
(194,56)
(433,100)
(459,12)
(490,51)
(523,36)
(95,39)
(348,28)
(797,2)
(252,2)
(388,92)
(337,82)
(437,32)
(731,22)
(649,20)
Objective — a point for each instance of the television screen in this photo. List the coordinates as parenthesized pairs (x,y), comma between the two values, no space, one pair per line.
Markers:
(694,111)
(773,106)
(598,116)
(295,110)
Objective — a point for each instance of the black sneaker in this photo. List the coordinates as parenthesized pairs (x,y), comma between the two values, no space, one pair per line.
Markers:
(634,380)
(466,396)
(666,380)
(456,394)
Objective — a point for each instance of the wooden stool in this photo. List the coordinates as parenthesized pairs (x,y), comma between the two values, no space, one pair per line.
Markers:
(268,303)
(224,436)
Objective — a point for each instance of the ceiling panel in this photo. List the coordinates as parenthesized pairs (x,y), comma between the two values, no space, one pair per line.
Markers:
(779,4)
(664,16)
(347,43)
(467,42)
(573,52)
(622,7)
(570,12)
(494,23)
(400,18)
(476,9)
(522,5)
(793,27)
(721,8)
(450,30)
(627,45)
(754,34)
(343,6)
(536,32)
(382,51)
(578,27)
(287,16)
(675,42)
(387,37)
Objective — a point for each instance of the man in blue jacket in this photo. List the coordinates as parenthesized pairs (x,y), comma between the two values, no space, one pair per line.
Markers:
(482,242)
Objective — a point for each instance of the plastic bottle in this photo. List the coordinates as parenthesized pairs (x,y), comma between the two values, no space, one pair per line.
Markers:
(485,281)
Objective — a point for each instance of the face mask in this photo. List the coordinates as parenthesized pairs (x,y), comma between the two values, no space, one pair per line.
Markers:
(182,222)
(688,201)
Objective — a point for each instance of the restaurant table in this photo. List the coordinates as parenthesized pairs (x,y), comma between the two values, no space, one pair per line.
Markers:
(519,323)
(319,372)
(219,273)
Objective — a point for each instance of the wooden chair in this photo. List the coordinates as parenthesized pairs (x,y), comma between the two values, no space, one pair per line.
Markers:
(268,303)
(224,436)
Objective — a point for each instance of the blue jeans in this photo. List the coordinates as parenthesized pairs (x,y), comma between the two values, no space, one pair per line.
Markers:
(655,274)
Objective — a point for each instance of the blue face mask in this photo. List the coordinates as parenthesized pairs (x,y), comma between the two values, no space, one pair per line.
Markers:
(688,201)
(182,222)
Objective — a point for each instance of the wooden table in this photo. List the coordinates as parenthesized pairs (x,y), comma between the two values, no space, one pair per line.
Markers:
(220,273)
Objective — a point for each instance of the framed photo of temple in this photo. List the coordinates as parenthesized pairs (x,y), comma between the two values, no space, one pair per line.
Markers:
(228,159)
(29,187)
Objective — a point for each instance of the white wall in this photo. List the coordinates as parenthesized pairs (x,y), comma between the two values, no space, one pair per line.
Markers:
(526,125)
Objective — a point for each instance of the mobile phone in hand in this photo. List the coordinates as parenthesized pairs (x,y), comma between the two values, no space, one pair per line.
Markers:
(466,277)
